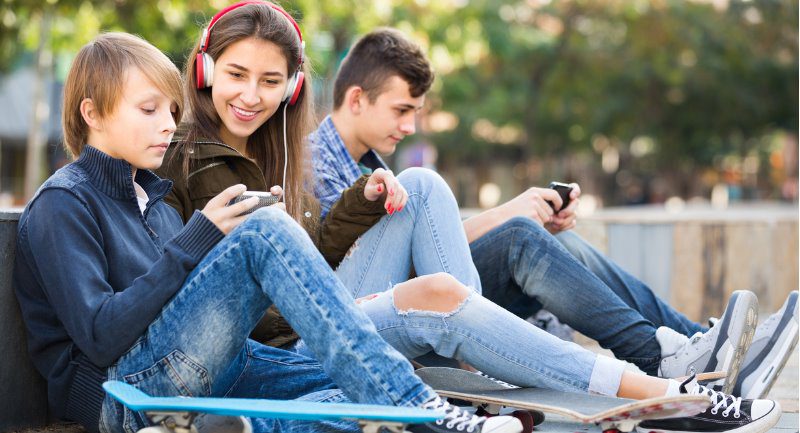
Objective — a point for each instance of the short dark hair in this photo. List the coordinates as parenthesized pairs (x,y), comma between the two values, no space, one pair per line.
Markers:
(378,56)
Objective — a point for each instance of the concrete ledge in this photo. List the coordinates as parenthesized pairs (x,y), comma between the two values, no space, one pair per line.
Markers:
(23,392)
(695,258)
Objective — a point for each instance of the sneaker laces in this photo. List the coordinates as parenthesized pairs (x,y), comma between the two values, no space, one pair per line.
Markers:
(719,400)
(496,380)
(454,415)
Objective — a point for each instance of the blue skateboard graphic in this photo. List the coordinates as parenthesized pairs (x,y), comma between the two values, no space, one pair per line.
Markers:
(177,414)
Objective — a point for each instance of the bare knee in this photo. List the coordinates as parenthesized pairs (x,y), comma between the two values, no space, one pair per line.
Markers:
(436,292)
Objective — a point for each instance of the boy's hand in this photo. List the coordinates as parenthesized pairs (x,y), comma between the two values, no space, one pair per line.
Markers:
(225,217)
(382,183)
(565,219)
(532,204)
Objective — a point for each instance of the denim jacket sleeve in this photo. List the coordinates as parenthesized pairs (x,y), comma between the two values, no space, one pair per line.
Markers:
(63,246)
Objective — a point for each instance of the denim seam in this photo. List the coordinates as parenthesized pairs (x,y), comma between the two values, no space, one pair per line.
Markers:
(235,383)
(434,233)
(384,223)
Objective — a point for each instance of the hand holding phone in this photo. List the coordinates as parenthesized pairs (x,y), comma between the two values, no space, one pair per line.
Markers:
(264,199)
(563,191)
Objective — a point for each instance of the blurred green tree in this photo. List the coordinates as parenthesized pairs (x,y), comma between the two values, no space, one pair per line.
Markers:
(664,87)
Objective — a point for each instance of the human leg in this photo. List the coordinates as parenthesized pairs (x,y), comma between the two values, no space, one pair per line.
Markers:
(436,313)
(630,289)
(521,264)
(189,348)
(426,235)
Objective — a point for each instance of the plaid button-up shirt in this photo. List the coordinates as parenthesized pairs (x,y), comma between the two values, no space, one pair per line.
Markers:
(334,168)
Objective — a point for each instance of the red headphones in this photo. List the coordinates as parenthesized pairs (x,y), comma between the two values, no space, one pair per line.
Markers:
(204,64)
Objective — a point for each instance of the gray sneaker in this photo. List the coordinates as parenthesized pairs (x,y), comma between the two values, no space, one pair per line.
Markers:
(772,345)
(721,348)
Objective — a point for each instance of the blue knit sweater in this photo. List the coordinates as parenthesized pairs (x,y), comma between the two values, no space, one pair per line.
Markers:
(92,272)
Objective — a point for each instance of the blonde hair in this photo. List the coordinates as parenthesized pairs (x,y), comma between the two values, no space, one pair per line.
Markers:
(265,145)
(99,72)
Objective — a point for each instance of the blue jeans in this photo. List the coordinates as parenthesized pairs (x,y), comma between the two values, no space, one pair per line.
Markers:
(428,234)
(426,237)
(524,268)
(198,345)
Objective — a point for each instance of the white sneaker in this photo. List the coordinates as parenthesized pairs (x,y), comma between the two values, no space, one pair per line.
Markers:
(771,348)
(458,420)
(721,348)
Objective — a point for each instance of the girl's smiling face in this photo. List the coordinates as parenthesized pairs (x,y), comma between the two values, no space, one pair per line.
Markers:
(250,78)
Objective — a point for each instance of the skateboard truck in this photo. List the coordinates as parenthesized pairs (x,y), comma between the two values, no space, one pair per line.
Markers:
(375,427)
(623,426)
(183,422)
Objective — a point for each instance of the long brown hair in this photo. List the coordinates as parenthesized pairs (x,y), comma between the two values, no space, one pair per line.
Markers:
(265,145)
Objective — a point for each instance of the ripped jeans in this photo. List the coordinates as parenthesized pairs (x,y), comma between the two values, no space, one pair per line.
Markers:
(428,234)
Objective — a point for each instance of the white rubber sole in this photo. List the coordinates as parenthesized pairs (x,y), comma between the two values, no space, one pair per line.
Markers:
(733,359)
(767,378)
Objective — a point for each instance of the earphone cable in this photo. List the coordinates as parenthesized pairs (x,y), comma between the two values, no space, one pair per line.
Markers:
(285,153)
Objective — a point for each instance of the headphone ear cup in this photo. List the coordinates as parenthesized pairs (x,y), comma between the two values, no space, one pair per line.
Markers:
(209,70)
(289,88)
(298,86)
(204,70)
(199,71)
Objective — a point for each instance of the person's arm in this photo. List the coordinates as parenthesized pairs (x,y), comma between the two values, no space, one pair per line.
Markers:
(349,218)
(531,204)
(65,253)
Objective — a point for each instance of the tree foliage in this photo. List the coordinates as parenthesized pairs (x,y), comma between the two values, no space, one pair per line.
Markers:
(674,83)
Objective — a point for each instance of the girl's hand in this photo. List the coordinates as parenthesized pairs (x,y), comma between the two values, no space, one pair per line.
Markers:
(225,217)
(278,192)
(382,183)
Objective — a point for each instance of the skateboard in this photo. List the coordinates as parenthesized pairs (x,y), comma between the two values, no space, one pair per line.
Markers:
(177,414)
(610,413)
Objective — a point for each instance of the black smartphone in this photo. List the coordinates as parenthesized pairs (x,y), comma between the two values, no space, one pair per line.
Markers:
(563,190)
(264,199)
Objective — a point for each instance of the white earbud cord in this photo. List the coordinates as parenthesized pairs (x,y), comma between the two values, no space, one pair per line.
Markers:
(285,152)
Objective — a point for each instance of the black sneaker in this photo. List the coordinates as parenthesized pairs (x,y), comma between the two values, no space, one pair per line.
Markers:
(726,414)
(459,420)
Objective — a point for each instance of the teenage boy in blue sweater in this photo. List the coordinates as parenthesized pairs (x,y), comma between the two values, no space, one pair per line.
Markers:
(113,286)
(524,250)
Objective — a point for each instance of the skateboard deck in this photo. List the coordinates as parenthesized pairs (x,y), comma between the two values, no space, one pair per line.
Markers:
(182,410)
(610,413)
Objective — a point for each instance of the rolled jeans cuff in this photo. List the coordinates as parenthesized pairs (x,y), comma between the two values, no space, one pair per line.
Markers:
(606,376)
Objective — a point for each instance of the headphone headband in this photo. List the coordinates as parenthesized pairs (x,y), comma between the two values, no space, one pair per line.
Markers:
(207,31)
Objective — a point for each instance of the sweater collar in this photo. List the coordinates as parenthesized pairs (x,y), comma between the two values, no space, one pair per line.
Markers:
(114,176)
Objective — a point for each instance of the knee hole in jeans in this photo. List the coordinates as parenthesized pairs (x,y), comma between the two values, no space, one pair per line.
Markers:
(438,292)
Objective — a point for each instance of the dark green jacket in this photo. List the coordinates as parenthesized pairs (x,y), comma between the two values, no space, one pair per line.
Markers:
(214,166)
